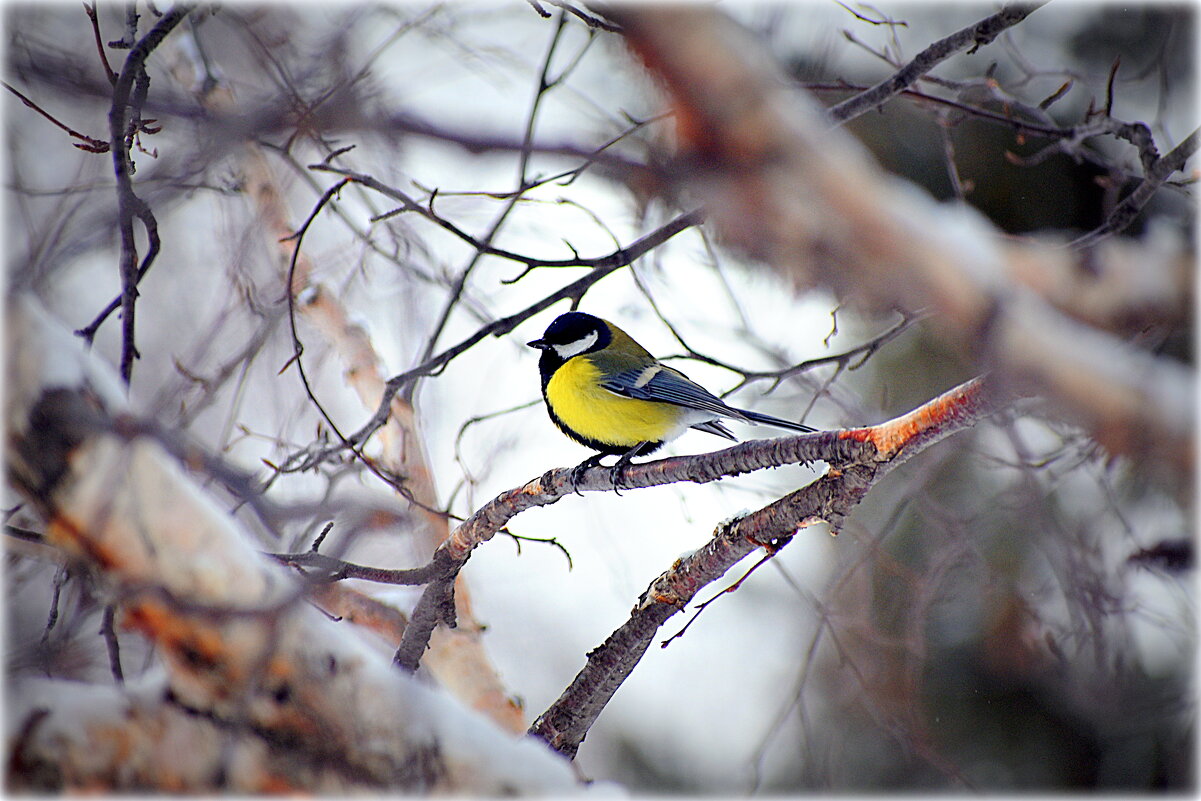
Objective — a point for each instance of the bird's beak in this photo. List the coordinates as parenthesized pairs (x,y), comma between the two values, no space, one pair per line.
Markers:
(540,344)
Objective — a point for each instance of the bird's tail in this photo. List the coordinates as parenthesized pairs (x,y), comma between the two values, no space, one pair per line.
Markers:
(767,419)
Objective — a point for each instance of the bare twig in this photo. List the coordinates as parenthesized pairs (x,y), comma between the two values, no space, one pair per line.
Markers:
(1046,102)
(884,20)
(328,569)
(409,204)
(770,551)
(1024,121)
(298,294)
(542,12)
(90,144)
(590,20)
(131,28)
(858,354)
(128,90)
(1113,74)
(109,632)
(90,10)
(601,267)
(1125,212)
(61,575)
(982,33)
(545,84)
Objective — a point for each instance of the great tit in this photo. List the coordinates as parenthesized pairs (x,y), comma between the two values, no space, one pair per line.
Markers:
(607,392)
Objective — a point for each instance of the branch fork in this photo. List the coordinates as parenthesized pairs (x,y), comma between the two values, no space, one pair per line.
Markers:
(858,458)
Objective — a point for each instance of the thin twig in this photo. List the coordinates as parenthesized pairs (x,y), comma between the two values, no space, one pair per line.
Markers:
(409,204)
(771,551)
(542,12)
(590,20)
(109,632)
(1125,212)
(396,482)
(976,36)
(61,575)
(1113,74)
(545,84)
(129,88)
(329,569)
(882,21)
(131,28)
(90,144)
(90,10)
(601,267)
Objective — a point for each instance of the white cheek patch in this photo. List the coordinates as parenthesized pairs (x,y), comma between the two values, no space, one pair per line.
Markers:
(576,348)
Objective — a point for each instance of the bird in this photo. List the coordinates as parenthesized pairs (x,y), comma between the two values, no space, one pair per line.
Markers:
(608,393)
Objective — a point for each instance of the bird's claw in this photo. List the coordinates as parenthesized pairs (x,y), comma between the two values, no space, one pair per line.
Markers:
(617,474)
(577,472)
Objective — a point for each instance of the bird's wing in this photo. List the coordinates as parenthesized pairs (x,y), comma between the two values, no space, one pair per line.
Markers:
(665,385)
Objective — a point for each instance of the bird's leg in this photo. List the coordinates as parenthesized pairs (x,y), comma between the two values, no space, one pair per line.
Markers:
(617,471)
(577,472)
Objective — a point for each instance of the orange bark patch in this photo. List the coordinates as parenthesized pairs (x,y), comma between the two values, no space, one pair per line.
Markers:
(69,535)
(274,784)
(200,646)
(888,438)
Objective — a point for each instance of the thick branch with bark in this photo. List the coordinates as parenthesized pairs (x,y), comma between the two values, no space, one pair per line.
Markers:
(459,659)
(245,657)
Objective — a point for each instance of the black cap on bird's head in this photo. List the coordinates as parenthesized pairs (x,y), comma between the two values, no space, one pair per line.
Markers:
(573,333)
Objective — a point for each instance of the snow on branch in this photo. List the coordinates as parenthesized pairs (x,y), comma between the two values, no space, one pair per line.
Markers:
(315,704)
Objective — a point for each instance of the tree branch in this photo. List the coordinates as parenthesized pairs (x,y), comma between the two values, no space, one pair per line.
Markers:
(829,498)
(123,120)
(89,143)
(240,649)
(878,448)
(825,213)
(604,265)
(982,33)
(1125,212)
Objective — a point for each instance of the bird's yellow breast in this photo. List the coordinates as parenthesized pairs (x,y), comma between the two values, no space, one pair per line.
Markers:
(575,396)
